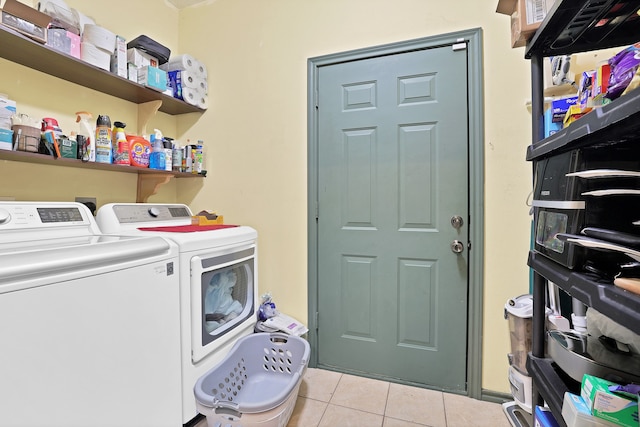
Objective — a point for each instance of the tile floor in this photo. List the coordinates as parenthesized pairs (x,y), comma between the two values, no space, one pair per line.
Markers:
(332,399)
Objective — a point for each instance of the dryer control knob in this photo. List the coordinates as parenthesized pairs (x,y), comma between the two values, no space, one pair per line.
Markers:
(154,212)
(5,216)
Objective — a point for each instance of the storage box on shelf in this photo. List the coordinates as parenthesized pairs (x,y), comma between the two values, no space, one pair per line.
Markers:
(570,27)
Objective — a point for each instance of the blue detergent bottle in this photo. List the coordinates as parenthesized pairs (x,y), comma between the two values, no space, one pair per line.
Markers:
(157,159)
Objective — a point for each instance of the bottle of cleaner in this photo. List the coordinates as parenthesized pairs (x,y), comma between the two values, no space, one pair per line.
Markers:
(157,159)
(89,143)
(104,153)
(120,145)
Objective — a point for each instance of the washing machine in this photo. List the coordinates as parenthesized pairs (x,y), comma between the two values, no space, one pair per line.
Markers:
(89,323)
(218,281)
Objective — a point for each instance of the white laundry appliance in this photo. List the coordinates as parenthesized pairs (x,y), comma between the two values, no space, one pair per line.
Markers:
(218,281)
(89,323)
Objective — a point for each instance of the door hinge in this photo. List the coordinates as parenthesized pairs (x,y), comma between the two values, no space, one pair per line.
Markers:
(461,44)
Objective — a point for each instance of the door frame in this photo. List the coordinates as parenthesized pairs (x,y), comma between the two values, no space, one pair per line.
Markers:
(475,104)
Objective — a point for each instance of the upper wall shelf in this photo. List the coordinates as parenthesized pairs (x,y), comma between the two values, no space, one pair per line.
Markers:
(573,26)
(20,49)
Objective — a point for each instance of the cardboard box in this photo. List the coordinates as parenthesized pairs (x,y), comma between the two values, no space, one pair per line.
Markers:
(526,16)
(559,107)
(26,20)
(140,59)
(119,58)
(607,405)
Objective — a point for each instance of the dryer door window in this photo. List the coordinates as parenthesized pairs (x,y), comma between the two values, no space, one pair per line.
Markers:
(226,297)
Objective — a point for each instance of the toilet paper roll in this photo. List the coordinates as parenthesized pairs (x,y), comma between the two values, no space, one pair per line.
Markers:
(181,62)
(99,37)
(203,86)
(95,56)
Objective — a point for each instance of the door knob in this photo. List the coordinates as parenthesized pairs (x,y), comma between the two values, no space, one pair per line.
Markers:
(457,221)
(457,247)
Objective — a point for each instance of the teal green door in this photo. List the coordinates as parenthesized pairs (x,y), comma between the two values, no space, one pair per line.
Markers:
(392,173)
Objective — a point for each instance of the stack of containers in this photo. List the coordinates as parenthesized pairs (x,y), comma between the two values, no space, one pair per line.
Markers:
(188,80)
(98,44)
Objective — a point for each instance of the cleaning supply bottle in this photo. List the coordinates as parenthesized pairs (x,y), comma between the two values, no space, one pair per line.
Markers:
(104,152)
(89,143)
(157,159)
(120,145)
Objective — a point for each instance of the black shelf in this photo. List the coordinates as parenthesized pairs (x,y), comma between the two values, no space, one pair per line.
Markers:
(22,50)
(619,305)
(613,123)
(551,383)
(582,25)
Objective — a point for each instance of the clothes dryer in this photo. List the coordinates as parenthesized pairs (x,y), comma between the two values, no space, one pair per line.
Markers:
(218,281)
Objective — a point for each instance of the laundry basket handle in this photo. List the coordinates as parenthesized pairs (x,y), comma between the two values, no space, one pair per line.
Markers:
(227,408)
(279,337)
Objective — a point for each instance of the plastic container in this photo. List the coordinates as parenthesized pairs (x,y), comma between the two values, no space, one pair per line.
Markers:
(519,312)
(157,159)
(256,384)
(139,150)
(121,155)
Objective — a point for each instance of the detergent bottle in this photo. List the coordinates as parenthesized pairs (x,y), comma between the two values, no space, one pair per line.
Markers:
(120,145)
(88,147)
(104,152)
(157,159)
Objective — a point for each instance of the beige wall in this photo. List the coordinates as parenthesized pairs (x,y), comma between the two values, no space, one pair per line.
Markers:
(255,136)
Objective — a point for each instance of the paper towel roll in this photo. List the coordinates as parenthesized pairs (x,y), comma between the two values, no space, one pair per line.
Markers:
(190,95)
(190,79)
(203,101)
(203,86)
(95,56)
(180,62)
(99,37)
(201,70)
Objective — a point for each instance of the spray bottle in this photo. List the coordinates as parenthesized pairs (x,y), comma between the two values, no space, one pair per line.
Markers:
(104,152)
(120,145)
(157,159)
(89,146)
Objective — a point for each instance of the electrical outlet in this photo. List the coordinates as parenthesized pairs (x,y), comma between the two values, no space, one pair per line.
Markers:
(89,202)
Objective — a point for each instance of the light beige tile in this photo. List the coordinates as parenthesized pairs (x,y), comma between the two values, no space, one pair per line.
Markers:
(307,413)
(416,405)
(364,394)
(338,416)
(319,384)
(392,422)
(462,411)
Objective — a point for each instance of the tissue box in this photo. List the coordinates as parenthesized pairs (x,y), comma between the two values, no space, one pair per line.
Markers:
(153,78)
(576,413)
(64,41)
(607,405)
(7,109)
(6,139)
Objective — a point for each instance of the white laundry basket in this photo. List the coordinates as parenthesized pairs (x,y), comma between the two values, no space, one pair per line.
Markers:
(256,384)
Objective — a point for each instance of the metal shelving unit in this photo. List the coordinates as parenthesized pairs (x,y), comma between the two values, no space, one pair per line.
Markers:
(574,26)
